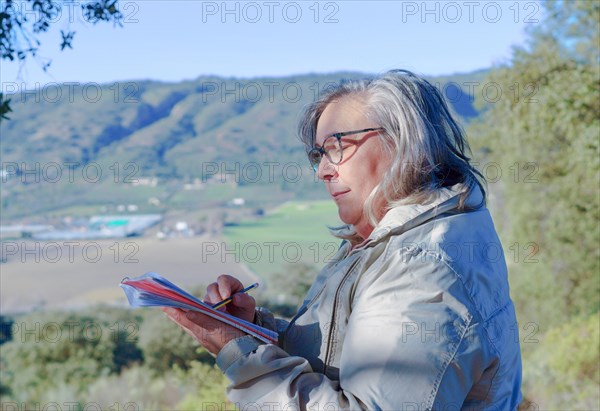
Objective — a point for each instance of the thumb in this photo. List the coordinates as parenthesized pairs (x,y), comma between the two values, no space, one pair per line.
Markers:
(191,315)
(244,301)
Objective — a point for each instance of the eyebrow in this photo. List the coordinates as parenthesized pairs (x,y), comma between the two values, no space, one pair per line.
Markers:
(347,133)
(325,138)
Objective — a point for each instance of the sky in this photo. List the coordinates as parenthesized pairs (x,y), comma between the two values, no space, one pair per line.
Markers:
(177,40)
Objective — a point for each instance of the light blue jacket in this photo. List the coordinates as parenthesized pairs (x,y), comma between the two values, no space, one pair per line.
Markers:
(418,317)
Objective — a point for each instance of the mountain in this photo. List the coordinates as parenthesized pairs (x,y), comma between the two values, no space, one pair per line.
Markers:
(82,145)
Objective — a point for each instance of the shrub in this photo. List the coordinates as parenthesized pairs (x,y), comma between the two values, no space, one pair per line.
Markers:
(563,371)
(56,348)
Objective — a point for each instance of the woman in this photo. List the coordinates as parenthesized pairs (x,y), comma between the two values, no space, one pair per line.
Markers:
(414,311)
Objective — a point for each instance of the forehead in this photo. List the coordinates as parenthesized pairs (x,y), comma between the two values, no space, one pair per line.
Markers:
(341,115)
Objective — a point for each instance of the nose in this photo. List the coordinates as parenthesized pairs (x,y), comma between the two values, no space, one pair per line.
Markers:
(326,170)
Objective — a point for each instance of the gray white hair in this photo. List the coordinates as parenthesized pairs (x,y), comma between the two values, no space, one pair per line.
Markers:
(428,147)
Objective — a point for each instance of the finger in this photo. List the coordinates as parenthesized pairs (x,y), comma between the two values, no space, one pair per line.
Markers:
(174,314)
(212,334)
(212,294)
(228,285)
(194,326)
(171,311)
(192,321)
(207,330)
(196,319)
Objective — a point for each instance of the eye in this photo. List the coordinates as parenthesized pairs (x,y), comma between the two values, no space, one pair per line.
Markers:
(329,146)
(315,153)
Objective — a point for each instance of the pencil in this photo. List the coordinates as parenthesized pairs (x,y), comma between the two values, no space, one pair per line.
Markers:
(230,299)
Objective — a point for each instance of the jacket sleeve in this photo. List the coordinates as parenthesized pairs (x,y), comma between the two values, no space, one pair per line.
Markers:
(405,347)
(265,318)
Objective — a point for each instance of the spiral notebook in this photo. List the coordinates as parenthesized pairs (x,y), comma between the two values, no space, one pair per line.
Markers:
(152,290)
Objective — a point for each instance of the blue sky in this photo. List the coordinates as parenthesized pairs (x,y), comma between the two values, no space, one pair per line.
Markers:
(175,40)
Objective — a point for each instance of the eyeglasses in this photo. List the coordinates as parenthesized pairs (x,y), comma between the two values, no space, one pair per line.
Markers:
(332,148)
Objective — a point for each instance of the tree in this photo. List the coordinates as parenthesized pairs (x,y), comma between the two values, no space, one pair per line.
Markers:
(22,21)
(544,136)
(165,345)
(53,348)
(5,327)
(546,140)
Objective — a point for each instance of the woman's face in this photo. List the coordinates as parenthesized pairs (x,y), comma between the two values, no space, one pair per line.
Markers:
(362,167)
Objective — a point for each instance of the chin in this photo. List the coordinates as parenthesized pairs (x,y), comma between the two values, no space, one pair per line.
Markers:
(348,218)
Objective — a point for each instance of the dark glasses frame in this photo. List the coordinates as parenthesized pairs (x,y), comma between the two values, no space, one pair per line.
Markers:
(315,155)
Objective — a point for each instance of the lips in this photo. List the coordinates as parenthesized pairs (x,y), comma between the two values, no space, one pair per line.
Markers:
(339,193)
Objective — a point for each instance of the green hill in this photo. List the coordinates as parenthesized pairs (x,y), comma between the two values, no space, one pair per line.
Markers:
(82,145)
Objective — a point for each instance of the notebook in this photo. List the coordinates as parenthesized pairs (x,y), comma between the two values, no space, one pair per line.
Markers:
(152,290)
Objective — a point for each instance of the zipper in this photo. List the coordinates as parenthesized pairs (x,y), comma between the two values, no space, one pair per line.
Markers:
(333,313)
(303,310)
(305,307)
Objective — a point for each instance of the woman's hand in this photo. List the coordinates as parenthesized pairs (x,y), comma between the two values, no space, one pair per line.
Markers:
(243,305)
(211,333)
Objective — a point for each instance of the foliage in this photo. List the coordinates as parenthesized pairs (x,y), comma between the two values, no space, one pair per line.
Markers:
(543,137)
(178,132)
(165,345)
(5,329)
(208,389)
(49,349)
(137,388)
(549,142)
(294,282)
(575,25)
(565,374)
(18,30)
(4,107)
(108,357)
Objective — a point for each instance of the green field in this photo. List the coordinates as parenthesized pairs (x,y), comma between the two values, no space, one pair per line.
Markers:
(218,194)
(298,233)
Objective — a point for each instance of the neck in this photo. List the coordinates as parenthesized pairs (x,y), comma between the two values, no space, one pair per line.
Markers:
(364,230)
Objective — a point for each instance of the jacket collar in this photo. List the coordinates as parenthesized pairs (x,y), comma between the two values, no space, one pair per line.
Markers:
(402,218)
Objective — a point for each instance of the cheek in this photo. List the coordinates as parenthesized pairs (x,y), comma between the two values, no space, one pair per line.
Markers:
(383,166)
(375,173)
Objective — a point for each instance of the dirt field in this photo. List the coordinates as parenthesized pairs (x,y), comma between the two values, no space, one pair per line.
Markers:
(69,275)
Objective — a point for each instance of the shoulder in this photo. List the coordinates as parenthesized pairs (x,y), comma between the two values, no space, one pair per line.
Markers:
(458,254)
